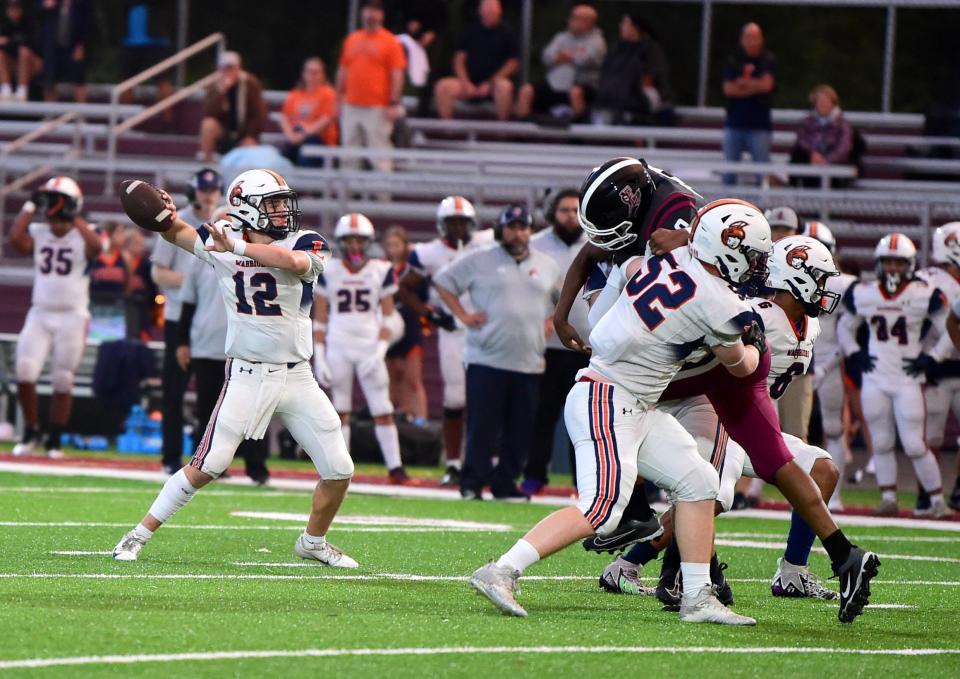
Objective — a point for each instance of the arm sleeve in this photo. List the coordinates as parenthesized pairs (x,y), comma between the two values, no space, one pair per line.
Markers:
(199,246)
(187,311)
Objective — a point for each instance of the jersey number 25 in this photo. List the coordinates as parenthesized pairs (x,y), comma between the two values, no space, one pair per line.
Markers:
(668,286)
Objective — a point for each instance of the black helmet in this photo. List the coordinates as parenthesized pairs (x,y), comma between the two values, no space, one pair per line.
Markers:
(614,200)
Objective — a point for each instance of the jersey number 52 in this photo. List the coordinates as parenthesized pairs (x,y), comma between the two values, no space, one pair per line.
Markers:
(663,283)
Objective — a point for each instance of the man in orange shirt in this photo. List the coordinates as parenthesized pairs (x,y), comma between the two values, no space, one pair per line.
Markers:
(309,114)
(369,83)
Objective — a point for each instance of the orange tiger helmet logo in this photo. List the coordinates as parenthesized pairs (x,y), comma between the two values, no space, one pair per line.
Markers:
(797,257)
(734,235)
(235,195)
(951,240)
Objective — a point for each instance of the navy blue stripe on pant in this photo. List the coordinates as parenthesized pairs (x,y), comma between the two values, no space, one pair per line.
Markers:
(501,405)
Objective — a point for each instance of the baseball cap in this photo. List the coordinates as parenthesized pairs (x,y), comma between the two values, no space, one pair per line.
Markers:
(228,58)
(784,217)
(515,213)
(208,179)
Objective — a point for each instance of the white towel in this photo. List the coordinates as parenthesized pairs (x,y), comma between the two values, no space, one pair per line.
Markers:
(273,377)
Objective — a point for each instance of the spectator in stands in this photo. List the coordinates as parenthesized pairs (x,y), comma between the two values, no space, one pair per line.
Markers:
(512,288)
(64,27)
(749,79)
(17,52)
(370,82)
(825,136)
(149,23)
(109,276)
(634,79)
(405,357)
(483,66)
(573,59)
(234,112)
(309,114)
(416,40)
(142,306)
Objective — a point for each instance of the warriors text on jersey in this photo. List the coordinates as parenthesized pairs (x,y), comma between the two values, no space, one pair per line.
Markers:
(60,266)
(268,309)
(897,322)
(669,309)
(354,298)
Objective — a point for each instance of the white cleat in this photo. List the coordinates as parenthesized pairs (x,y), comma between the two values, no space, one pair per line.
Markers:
(23,448)
(623,577)
(705,607)
(55,454)
(128,549)
(325,553)
(499,584)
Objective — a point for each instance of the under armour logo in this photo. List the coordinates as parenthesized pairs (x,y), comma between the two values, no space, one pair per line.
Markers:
(243,370)
(628,411)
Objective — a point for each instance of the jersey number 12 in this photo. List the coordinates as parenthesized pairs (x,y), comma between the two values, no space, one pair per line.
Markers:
(262,298)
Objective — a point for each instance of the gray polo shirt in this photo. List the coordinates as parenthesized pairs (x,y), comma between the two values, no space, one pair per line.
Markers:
(208,332)
(517,298)
(169,255)
(548,243)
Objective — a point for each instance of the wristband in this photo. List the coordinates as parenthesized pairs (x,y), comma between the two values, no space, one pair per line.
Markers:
(239,247)
(29,206)
(317,325)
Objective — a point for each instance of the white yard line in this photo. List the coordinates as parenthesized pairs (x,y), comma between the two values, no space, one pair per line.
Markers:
(77,552)
(463,650)
(872,538)
(278,526)
(753,544)
(380,521)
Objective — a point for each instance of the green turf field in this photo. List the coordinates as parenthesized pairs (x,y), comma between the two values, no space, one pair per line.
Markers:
(189,593)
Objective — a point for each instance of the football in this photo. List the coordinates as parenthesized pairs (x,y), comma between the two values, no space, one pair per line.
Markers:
(144,204)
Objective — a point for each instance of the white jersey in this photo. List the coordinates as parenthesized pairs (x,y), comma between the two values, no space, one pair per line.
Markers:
(428,258)
(268,309)
(667,312)
(61,270)
(828,347)
(791,348)
(354,300)
(937,343)
(897,323)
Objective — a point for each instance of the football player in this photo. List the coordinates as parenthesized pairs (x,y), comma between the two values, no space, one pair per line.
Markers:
(355,296)
(828,377)
(456,224)
(943,386)
(747,413)
(671,307)
(63,245)
(266,266)
(799,269)
(898,307)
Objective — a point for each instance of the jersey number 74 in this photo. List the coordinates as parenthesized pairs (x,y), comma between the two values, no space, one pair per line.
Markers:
(668,286)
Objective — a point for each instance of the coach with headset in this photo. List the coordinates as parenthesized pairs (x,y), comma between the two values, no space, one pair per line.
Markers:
(513,289)
(561,241)
(205,192)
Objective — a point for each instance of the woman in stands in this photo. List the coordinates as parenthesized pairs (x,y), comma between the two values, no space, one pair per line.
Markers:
(309,114)
(825,136)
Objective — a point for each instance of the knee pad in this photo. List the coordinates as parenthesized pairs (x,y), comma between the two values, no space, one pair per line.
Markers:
(62,381)
(453,413)
(701,482)
(915,450)
(28,370)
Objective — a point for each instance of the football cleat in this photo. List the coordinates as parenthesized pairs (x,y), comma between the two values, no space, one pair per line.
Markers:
(499,585)
(887,508)
(623,577)
(629,532)
(451,477)
(128,549)
(936,510)
(325,553)
(723,591)
(855,575)
(954,500)
(798,581)
(706,607)
(398,477)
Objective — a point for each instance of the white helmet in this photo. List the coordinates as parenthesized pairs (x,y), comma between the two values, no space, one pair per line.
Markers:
(353,224)
(801,266)
(733,236)
(783,217)
(946,244)
(895,246)
(61,197)
(822,233)
(452,207)
(246,206)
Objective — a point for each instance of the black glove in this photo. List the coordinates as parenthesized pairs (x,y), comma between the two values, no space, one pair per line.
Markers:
(754,336)
(859,363)
(923,364)
(442,320)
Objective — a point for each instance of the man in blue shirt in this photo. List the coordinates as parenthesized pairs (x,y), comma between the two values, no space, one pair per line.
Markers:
(749,79)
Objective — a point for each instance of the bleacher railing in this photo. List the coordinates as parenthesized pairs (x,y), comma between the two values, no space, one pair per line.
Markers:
(216,40)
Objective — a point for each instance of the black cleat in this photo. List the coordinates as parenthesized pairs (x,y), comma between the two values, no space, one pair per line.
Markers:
(670,585)
(719,581)
(923,500)
(629,532)
(954,501)
(451,477)
(855,576)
